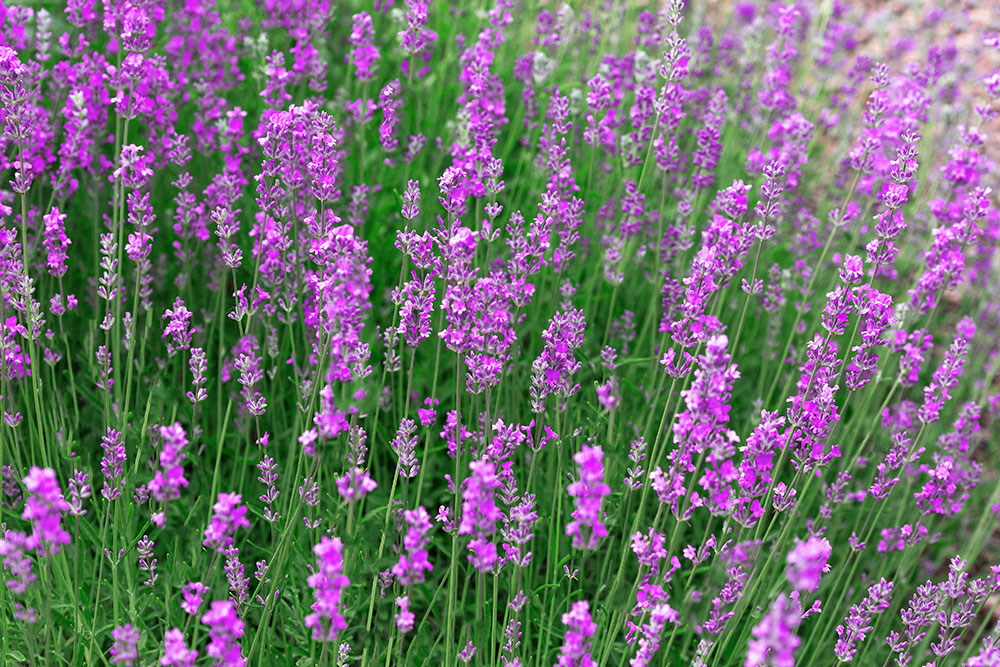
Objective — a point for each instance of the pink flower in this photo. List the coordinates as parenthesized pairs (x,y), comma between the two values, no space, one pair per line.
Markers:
(586,527)
(44,508)
(774,641)
(328,583)
(229,515)
(175,651)
(123,650)
(405,617)
(192,596)
(355,484)
(13,548)
(224,631)
(575,651)
(169,479)
(414,563)
(480,512)
(807,562)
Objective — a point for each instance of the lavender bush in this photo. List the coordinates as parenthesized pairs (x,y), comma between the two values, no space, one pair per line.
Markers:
(516,334)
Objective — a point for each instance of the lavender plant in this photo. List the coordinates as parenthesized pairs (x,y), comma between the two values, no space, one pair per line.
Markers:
(518,334)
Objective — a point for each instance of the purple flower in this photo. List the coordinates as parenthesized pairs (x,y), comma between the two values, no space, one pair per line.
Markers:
(336,299)
(860,620)
(852,270)
(575,650)
(363,54)
(702,428)
(517,530)
(954,473)
(889,222)
(178,327)
(405,617)
(269,478)
(236,576)
(876,311)
(636,454)
(812,412)
(480,512)
(649,548)
(251,374)
(945,260)
(147,560)
(355,484)
(467,654)
(175,651)
(774,641)
(608,394)
(224,632)
(717,261)
(192,593)
(411,200)
(414,563)
(228,515)
(13,549)
(416,40)
(124,650)
(839,305)
(79,490)
(586,528)
(989,654)
(226,228)
(897,538)
(389,102)
(914,348)
(897,456)
(483,373)
(731,592)
(55,242)
(134,167)
(551,372)
(649,642)
(946,376)
(44,508)
(169,479)
(199,366)
(755,469)
(328,584)
(807,562)
(112,464)
(404,444)
(917,616)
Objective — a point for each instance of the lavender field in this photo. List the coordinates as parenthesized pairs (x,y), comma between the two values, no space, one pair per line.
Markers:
(513,334)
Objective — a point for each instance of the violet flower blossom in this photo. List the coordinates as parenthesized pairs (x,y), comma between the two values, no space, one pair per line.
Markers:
(112,464)
(175,650)
(807,562)
(587,529)
(946,376)
(124,650)
(224,632)
(192,593)
(228,515)
(355,484)
(328,583)
(169,479)
(44,508)
(859,622)
(480,513)
(14,552)
(575,651)
(414,563)
(774,641)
